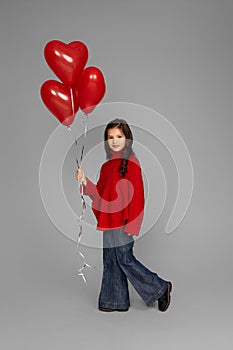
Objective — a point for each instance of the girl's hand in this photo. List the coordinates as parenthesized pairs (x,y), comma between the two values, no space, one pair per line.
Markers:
(80,176)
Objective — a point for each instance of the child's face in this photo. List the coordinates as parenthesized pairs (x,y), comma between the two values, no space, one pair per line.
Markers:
(116,139)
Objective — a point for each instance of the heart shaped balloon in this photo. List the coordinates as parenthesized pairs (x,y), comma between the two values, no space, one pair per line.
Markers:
(60,100)
(90,88)
(66,60)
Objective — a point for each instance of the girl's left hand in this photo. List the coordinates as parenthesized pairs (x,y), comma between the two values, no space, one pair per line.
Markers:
(80,176)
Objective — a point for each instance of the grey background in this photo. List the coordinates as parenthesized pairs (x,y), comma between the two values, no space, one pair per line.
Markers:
(175,57)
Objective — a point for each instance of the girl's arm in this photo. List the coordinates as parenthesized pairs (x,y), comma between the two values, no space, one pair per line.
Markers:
(136,205)
(89,188)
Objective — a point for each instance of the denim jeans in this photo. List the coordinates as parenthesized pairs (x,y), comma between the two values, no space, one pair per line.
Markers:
(119,266)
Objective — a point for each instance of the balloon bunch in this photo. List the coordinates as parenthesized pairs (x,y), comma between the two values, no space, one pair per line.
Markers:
(80,87)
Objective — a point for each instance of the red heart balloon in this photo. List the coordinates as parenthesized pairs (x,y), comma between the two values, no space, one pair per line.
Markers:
(66,60)
(90,89)
(60,100)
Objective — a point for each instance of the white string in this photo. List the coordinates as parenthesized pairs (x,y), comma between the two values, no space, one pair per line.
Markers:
(81,255)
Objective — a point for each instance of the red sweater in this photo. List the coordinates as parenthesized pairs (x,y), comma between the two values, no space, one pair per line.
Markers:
(118,201)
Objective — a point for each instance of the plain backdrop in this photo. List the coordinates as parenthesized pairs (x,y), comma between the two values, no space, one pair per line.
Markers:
(174,56)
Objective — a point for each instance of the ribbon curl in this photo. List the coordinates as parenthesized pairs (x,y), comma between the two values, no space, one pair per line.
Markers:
(84,206)
(81,255)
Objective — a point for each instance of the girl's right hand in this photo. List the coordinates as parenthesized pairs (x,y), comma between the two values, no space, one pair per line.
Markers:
(80,176)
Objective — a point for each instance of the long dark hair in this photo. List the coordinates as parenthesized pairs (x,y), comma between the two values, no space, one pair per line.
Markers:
(127,150)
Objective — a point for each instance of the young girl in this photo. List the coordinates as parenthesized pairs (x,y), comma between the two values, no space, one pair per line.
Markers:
(118,205)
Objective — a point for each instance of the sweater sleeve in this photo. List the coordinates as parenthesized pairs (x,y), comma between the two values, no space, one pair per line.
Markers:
(136,205)
(91,189)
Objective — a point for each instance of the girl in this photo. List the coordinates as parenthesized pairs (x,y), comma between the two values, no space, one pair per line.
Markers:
(118,204)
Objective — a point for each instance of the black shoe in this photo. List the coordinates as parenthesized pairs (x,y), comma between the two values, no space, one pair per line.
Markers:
(111,310)
(164,300)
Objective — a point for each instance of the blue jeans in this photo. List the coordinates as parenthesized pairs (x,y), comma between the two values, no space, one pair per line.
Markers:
(119,266)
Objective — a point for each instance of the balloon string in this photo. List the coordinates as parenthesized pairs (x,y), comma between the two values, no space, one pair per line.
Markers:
(84,118)
(72,101)
(81,255)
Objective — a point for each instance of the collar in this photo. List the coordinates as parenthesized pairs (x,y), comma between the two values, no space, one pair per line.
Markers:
(116,154)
